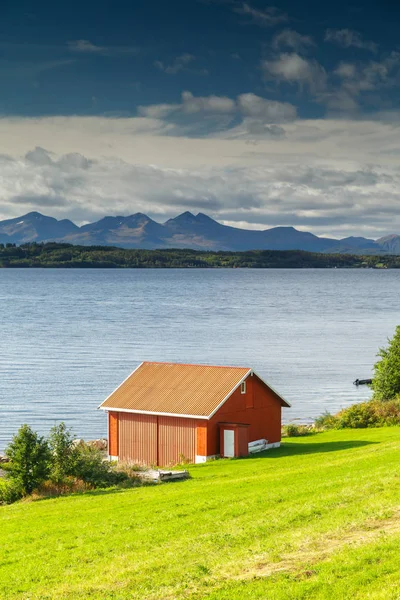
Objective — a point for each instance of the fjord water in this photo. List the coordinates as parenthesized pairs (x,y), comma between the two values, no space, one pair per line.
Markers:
(69,337)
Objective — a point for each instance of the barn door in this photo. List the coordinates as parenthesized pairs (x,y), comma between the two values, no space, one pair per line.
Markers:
(137,438)
(229,443)
(176,440)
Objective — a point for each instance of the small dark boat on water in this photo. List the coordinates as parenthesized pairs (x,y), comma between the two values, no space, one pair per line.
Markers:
(362,382)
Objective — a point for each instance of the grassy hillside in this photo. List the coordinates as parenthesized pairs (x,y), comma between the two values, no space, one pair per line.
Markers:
(317,518)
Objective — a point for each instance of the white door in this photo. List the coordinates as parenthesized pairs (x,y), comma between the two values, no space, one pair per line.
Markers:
(229,443)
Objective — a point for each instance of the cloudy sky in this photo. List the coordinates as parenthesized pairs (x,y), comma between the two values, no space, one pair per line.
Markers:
(257,114)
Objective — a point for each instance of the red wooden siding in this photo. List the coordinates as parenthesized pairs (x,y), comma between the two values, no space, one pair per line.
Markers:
(138,438)
(164,440)
(264,418)
(201,438)
(249,395)
(156,440)
(176,440)
(113,434)
(241,443)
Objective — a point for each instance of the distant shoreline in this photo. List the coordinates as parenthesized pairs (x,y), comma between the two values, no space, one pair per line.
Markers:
(68,256)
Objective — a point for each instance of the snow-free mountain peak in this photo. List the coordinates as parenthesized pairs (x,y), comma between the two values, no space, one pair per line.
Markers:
(199,232)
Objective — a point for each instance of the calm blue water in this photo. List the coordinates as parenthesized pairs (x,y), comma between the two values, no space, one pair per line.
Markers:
(69,337)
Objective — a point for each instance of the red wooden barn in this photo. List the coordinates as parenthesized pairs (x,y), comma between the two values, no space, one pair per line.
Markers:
(166,412)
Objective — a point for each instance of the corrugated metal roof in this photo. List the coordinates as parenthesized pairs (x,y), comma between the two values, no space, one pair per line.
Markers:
(177,389)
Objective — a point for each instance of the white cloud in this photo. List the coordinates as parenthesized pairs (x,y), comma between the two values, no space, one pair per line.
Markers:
(190,105)
(295,69)
(356,80)
(348,88)
(179,64)
(345,88)
(288,38)
(345,70)
(39,156)
(339,100)
(347,38)
(185,116)
(333,177)
(267,110)
(376,74)
(254,129)
(216,104)
(268,17)
(85,46)
(211,115)
(158,111)
(245,104)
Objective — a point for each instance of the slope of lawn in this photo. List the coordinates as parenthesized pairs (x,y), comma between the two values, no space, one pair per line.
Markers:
(317,518)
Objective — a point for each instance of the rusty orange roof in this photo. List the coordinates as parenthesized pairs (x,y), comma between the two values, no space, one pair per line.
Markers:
(176,389)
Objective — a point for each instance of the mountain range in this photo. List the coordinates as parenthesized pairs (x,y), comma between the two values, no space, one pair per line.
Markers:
(198,232)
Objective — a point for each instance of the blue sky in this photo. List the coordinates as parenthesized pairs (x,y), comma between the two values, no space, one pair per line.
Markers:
(258,114)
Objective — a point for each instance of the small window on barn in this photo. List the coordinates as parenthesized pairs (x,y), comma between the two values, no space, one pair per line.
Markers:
(243,387)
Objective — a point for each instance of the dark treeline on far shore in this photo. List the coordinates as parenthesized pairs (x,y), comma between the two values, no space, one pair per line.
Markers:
(68,256)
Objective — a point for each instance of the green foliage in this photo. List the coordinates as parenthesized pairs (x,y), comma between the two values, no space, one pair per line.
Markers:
(388,413)
(94,470)
(10,491)
(325,421)
(64,454)
(52,254)
(30,458)
(357,416)
(57,466)
(386,380)
(292,430)
(373,413)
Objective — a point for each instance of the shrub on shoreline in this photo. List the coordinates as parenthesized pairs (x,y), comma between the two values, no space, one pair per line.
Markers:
(91,468)
(40,467)
(373,413)
(325,421)
(293,430)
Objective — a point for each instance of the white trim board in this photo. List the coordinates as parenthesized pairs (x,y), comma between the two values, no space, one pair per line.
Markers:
(149,412)
(199,459)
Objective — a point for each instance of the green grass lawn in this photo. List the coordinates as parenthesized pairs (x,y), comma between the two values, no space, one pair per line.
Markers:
(317,518)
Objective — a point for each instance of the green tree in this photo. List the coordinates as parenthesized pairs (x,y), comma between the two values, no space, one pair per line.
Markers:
(64,454)
(30,458)
(386,381)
